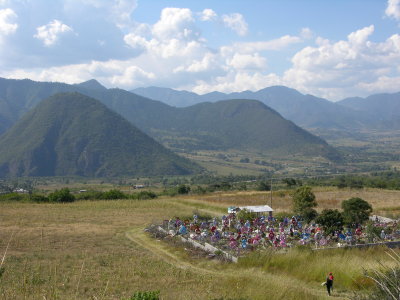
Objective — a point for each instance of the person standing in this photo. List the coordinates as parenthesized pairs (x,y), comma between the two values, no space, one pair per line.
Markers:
(329,283)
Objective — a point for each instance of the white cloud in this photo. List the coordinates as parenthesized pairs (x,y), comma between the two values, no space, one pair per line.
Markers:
(361,36)
(111,73)
(236,22)
(239,81)
(248,62)
(275,45)
(51,32)
(306,33)
(121,12)
(7,22)
(118,11)
(393,9)
(175,23)
(208,15)
(349,67)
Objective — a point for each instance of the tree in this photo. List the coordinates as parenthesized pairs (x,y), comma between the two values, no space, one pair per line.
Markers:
(289,181)
(63,195)
(303,202)
(263,186)
(330,220)
(183,189)
(356,210)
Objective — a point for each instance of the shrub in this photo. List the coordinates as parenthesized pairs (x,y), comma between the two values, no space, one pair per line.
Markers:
(13,197)
(114,194)
(263,186)
(90,195)
(39,198)
(143,195)
(331,220)
(63,195)
(146,295)
(309,214)
(183,189)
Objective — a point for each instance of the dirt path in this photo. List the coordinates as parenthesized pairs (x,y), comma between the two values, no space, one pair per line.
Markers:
(161,251)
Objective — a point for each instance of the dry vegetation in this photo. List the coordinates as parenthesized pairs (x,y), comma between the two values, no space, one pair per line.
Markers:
(98,250)
(382,201)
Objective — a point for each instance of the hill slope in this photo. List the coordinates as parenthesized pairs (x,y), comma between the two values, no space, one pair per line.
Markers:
(240,124)
(205,126)
(71,134)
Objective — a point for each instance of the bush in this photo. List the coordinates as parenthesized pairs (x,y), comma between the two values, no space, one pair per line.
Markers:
(90,195)
(13,197)
(113,195)
(200,190)
(309,214)
(263,186)
(330,220)
(183,189)
(63,195)
(39,198)
(147,295)
(143,195)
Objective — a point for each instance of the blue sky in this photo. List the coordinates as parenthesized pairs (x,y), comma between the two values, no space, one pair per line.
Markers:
(332,49)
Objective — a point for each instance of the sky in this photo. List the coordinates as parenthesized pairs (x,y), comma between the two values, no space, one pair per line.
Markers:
(332,49)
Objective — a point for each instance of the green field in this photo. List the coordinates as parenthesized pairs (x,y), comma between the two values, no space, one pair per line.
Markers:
(98,250)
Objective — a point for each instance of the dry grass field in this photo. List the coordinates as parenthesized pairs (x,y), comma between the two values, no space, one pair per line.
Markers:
(98,250)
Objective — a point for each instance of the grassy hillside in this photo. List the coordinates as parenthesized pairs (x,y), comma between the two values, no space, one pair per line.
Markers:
(71,134)
(243,124)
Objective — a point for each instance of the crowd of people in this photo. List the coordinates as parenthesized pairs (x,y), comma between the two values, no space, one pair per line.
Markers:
(231,232)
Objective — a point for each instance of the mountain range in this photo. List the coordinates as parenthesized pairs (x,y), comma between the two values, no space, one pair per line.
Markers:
(232,124)
(72,134)
(380,111)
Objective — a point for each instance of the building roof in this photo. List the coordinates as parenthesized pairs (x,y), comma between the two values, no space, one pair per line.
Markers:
(257,208)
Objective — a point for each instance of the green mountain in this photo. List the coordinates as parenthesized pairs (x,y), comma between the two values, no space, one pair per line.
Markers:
(247,125)
(240,125)
(72,134)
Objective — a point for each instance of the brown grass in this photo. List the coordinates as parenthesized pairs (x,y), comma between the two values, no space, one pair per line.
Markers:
(382,201)
(81,250)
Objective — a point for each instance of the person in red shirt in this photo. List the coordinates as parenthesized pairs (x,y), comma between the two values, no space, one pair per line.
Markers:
(329,283)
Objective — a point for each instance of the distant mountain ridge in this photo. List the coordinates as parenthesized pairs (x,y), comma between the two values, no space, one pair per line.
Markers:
(305,110)
(385,108)
(235,124)
(72,134)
